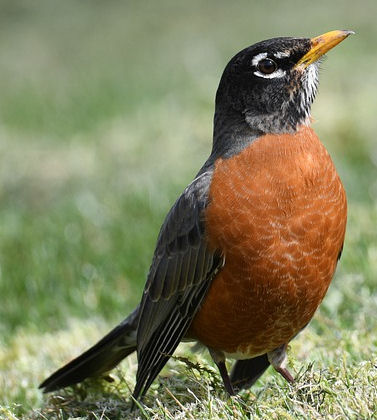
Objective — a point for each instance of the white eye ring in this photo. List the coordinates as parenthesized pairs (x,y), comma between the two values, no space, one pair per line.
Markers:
(267,66)
(256,59)
(276,74)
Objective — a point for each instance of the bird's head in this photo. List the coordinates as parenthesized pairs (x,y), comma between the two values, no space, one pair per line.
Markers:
(273,83)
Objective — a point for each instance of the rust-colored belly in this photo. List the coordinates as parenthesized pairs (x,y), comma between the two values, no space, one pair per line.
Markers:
(278,212)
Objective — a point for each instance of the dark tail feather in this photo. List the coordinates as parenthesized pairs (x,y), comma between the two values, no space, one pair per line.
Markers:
(246,372)
(99,359)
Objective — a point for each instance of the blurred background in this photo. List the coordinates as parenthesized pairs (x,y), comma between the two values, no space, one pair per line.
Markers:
(106,115)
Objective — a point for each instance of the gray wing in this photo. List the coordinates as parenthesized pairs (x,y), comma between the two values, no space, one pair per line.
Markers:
(181,272)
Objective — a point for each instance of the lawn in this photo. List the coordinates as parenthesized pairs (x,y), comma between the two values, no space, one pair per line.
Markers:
(105,116)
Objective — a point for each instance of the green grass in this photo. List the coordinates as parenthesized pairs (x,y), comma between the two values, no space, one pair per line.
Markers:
(105,115)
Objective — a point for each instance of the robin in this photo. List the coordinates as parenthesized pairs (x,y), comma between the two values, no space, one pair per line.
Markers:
(247,252)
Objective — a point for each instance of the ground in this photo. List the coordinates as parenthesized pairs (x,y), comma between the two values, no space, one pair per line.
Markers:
(105,116)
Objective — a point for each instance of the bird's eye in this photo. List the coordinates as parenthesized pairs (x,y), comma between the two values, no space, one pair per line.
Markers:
(267,66)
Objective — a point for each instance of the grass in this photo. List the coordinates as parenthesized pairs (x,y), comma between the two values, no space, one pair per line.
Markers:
(105,116)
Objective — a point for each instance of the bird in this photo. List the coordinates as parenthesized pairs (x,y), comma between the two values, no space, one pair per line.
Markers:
(247,252)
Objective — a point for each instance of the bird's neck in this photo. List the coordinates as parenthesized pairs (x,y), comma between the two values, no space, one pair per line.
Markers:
(231,133)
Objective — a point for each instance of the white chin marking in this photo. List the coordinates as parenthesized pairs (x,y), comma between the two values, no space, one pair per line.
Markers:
(276,74)
(311,80)
(309,89)
(310,84)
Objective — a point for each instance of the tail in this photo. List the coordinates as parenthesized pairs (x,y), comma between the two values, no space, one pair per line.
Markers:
(99,359)
(246,372)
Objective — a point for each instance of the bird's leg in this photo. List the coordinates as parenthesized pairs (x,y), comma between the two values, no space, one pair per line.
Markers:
(219,359)
(226,380)
(276,358)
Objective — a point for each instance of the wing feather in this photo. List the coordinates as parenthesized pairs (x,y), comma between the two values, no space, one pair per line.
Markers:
(181,272)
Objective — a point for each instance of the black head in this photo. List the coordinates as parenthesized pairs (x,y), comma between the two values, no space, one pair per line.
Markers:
(273,83)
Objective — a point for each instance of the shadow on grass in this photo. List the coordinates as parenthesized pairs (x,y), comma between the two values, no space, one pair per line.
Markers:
(111,398)
(196,390)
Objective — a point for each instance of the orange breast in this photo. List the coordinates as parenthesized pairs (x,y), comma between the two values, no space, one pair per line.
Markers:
(278,212)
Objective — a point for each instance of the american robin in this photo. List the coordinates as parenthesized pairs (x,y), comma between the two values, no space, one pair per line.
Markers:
(247,252)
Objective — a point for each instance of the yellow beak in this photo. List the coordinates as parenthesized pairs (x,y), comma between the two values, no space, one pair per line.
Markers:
(320,45)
